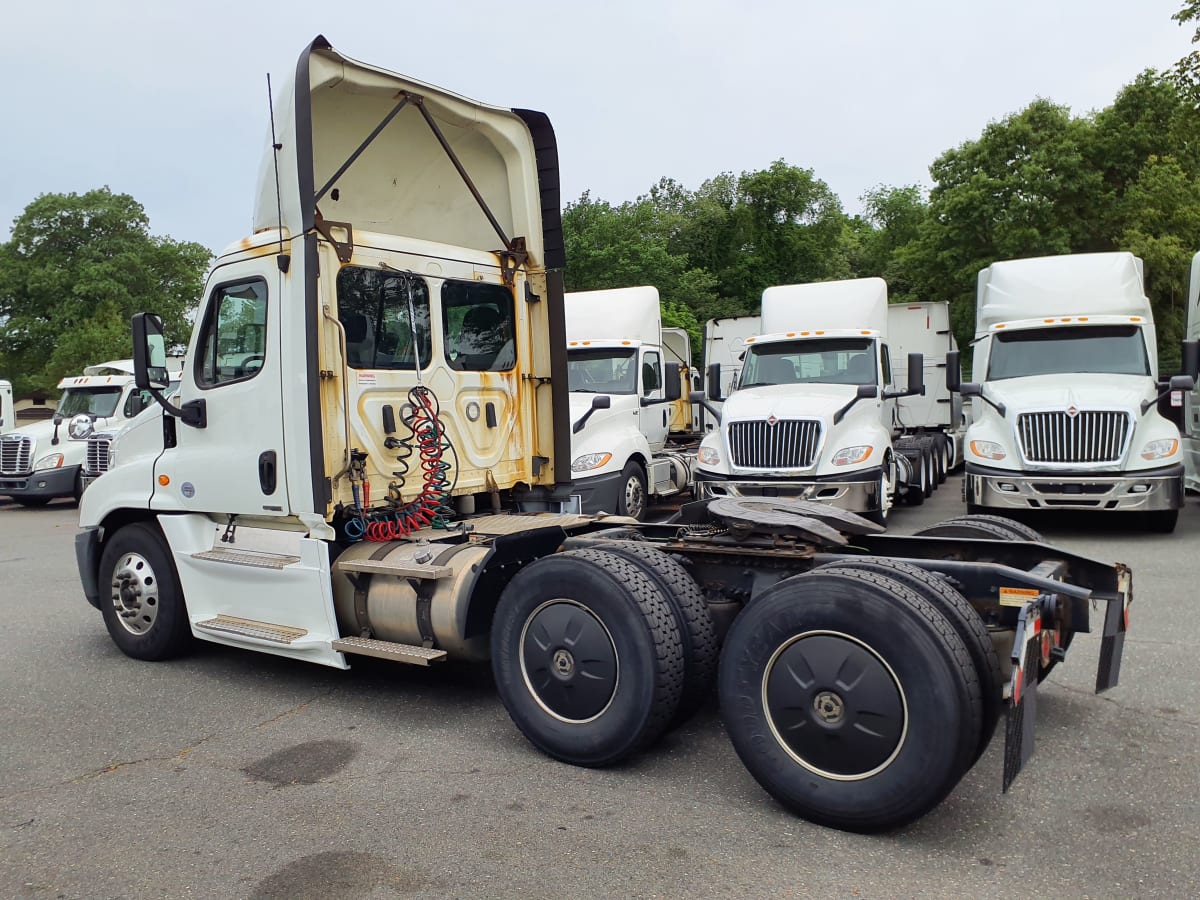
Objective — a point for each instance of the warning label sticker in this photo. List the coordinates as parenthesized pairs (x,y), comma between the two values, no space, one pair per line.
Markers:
(366,378)
(1011,596)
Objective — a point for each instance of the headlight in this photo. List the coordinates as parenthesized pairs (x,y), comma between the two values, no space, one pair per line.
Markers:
(51,461)
(849,456)
(709,456)
(584,463)
(80,427)
(1160,449)
(988,450)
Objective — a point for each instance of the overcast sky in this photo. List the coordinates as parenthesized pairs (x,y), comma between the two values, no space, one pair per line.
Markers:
(167,101)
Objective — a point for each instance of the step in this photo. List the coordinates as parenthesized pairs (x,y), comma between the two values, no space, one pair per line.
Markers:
(263,631)
(404,569)
(405,653)
(253,558)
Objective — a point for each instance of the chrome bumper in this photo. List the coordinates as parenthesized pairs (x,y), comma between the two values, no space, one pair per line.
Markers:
(856,496)
(1160,489)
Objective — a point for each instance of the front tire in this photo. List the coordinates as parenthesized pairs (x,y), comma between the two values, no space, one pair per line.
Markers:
(631,501)
(587,657)
(794,665)
(140,595)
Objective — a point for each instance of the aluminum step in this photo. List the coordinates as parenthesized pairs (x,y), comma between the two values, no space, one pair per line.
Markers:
(405,653)
(263,631)
(253,558)
(401,569)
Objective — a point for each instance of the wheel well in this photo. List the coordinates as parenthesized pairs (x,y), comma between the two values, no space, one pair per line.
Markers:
(119,518)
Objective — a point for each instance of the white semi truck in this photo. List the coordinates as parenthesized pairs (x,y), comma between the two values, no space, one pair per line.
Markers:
(814,411)
(361,464)
(1191,366)
(8,416)
(626,402)
(1066,392)
(45,460)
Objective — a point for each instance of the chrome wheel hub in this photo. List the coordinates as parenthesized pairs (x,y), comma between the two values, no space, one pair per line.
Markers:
(134,593)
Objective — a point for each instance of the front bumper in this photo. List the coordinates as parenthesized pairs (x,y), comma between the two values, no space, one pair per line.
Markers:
(599,493)
(1148,491)
(856,491)
(47,483)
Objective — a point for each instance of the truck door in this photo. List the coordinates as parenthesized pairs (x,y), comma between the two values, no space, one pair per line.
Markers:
(234,464)
(887,408)
(654,414)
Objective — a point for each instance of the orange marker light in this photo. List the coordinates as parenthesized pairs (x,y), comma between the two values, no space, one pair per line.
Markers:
(164,480)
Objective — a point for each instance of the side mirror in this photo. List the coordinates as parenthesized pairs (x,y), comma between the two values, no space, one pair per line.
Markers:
(57,419)
(971,389)
(1191,358)
(149,352)
(137,403)
(601,401)
(916,374)
(866,391)
(714,382)
(1182,383)
(953,371)
(673,385)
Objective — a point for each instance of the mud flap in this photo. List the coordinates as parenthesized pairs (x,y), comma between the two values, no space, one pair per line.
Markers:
(1022,692)
(1116,623)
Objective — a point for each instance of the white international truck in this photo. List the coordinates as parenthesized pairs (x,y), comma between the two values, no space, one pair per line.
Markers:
(8,416)
(45,460)
(1191,366)
(814,412)
(627,402)
(361,464)
(1066,392)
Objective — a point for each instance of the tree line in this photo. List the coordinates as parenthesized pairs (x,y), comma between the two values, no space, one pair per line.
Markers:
(1040,181)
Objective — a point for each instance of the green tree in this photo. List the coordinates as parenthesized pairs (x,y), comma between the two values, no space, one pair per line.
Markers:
(1186,73)
(891,219)
(75,269)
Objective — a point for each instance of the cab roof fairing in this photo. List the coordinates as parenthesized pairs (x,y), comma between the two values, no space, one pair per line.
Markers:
(403,183)
(826,305)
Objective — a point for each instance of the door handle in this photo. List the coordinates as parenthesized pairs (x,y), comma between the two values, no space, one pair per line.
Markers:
(266,471)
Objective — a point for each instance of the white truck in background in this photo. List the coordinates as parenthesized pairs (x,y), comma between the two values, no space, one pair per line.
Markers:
(45,460)
(814,411)
(8,415)
(1190,429)
(626,397)
(1066,394)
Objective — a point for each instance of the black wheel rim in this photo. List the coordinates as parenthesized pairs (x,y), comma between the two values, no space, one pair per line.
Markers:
(569,661)
(835,705)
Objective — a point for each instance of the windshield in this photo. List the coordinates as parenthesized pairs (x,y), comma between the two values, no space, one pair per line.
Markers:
(99,401)
(1111,349)
(602,371)
(829,361)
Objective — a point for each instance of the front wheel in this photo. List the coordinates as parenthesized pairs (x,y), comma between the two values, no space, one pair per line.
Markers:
(140,595)
(848,699)
(632,499)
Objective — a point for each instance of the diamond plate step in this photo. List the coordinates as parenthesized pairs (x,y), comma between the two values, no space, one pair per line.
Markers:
(402,569)
(253,558)
(265,631)
(405,653)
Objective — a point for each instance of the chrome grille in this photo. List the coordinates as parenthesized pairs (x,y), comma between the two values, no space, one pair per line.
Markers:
(788,444)
(1088,436)
(97,453)
(15,454)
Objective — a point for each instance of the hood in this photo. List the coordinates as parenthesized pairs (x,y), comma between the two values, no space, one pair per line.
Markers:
(43,430)
(1056,392)
(581,402)
(788,401)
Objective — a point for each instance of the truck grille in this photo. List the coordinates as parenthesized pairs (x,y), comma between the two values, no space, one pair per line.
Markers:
(1088,436)
(97,453)
(15,454)
(787,444)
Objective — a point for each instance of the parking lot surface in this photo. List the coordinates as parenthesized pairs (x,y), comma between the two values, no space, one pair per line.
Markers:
(234,774)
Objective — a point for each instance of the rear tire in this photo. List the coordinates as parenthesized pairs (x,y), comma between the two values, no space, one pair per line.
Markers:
(987,527)
(967,623)
(587,657)
(701,649)
(792,663)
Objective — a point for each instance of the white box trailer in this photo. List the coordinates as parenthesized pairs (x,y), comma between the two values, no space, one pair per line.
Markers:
(1191,414)
(924,327)
(361,463)
(8,416)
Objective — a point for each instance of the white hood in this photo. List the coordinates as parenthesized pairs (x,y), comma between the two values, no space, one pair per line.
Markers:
(1093,391)
(784,401)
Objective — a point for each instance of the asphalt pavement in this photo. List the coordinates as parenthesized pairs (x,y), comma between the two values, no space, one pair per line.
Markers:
(234,774)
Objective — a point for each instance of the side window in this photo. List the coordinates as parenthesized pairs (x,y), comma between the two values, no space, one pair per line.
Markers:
(373,307)
(478,323)
(651,373)
(887,364)
(234,342)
